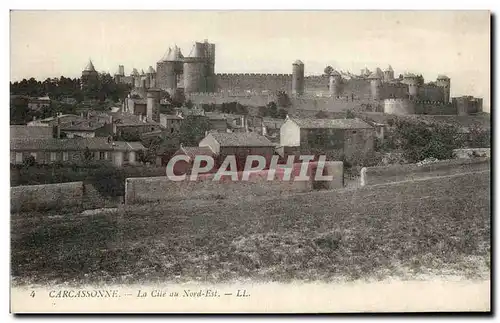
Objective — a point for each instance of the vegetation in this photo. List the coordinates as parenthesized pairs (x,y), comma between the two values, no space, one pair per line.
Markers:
(328,70)
(271,110)
(283,100)
(306,237)
(478,137)
(321,115)
(106,178)
(105,92)
(420,140)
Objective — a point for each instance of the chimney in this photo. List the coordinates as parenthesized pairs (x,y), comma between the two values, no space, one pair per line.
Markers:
(113,125)
(58,128)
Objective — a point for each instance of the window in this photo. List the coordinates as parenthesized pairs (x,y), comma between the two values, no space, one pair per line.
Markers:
(106,155)
(53,156)
(171,130)
(33,154)
(102,155)
(65,156)
(19,157)
(354,132)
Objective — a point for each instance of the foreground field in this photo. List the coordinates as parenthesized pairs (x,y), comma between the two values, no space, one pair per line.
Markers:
(432,227)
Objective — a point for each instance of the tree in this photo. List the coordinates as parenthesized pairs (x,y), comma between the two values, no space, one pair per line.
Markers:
(272,109)
(328,70)
(283,100)
(87,154)
(263,111)
(321,115)
(178,99)
(350,115)
(282,113)
(420,140)
(478,137)
(30,161)
(193,129)
(189,104)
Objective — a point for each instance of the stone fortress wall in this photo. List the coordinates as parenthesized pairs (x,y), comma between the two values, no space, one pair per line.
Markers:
(374,91)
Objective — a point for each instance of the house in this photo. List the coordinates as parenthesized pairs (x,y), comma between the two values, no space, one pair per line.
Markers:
(137,106)
(238,144)
(31,132)
(51,150)
(85,129)
(183,167)
(217,121)
(52,121)
(133,126)
(37,104)
(171,122)
(338,139)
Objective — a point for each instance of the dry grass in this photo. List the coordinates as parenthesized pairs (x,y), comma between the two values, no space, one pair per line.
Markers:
(438,226)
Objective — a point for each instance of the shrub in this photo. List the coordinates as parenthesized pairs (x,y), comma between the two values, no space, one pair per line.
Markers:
(419,140)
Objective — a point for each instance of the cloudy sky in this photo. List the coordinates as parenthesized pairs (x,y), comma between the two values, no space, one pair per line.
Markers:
(54,43)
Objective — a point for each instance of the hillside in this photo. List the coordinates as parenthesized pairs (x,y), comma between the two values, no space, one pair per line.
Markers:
(438,226)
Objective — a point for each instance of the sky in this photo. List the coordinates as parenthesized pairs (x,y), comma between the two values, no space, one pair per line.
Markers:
(455,43)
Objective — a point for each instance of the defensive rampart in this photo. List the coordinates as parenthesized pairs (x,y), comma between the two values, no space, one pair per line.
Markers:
(157,189)
(400,173)
(43,197)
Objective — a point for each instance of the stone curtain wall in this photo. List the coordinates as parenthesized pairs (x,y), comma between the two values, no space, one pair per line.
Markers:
(399,173)
(157,189)
(44,197)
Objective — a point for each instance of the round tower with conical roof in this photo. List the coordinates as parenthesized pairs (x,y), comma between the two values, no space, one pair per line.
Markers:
(168,70)
(89,75)
(298,78)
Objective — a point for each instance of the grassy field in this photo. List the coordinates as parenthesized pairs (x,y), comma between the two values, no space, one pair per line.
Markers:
(434,227)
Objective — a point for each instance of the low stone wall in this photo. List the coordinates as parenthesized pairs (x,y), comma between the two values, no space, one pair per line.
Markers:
(399,173)
(155,189)
(472,152)
(44,197)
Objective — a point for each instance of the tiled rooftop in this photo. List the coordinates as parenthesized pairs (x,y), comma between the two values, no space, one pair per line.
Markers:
(311,123)
(241,139)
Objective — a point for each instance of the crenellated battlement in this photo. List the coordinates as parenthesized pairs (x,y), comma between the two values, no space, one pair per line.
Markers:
(395,100)
(255,75)
(432,102)
(396,85)
(225,94)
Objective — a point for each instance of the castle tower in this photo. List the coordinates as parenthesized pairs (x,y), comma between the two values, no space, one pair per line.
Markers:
(444,82)
(136,78)
(168,69)
(121,70)
(89,75)
(335,83)
(412,81)
(388,74)
(375,85)
(153,104)
(206,51)
(194,75)
(298,78)
(151,77)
